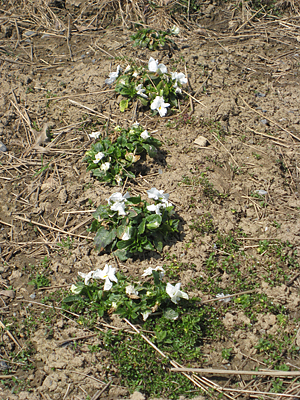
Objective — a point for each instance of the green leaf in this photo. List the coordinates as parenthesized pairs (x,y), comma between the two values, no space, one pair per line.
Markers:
(156,277)
(153,221)
(124,244)
(120,230)
(101,212)
(72,299)
(122,254)
(158,241)
(134,200)
(143,101)
(151,150)
(160,336)
(170,314)
(123,105)
(104,237)
(141,228)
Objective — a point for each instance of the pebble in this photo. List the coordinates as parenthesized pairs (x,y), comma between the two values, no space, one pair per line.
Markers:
(29,33)
(3,148)
(32,296)
(3,366)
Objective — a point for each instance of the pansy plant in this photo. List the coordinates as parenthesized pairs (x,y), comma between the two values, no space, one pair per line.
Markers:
(114,158)
(131,300)
(129,225)
(152,85)
(153,39)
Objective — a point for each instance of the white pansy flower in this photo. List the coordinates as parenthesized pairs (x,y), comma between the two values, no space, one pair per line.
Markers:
(118,197)
(160,105)
(130,290)
(105,166)
(120,207)
(113,76)
(221,295)
(114,305)
(86,277)
(149,270)
(179,77)
(107,274)
(118,180)
(94,135)
(155,194)
(126,234)
(153,66)
(98,157)
(75,289)
(122,82)
(146,314)
(175,293)
(175,30)
(135,74)
(140,91)
(145,135)
(127,68)
(155,207)
(135,125)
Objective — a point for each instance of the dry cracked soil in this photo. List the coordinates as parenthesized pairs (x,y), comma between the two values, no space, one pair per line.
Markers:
(239,187)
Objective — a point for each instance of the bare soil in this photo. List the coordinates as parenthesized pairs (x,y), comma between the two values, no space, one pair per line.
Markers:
(243,99)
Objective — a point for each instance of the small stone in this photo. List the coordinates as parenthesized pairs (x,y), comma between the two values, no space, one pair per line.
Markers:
(63,196)
(201,141)
(137,396)
(3,148)
(33,296)
(29,33)
(264,121)
(3,366)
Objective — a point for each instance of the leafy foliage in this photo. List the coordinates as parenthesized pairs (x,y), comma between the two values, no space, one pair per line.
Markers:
(146,84)
(131,301)
(132,220)
(120,153)
(151,39)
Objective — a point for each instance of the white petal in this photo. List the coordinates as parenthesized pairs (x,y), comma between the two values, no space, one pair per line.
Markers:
(94,135)
(145,135)
(105,166)
(155,194)
(111,273)
(120,207)
(131,290)
(146,314)
(126,234)
(107,285)
(75,289)
(86,277)
(118,197)
(147,272)
(152,65)
(162,68)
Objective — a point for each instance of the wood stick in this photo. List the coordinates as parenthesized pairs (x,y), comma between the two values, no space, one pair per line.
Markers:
(235,372)
(261,393)
(270,120)
(228,296)
(7,224)
(52,228)
(10,335)
(79,95)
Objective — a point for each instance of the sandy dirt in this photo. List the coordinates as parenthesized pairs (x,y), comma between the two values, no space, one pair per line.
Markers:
(244,87)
